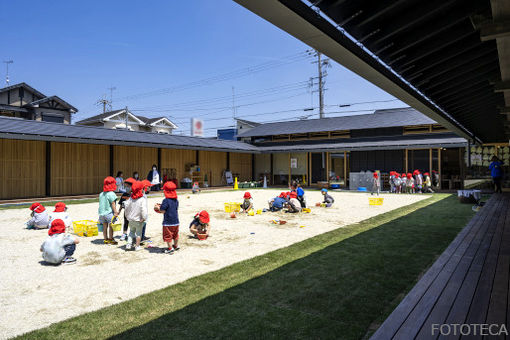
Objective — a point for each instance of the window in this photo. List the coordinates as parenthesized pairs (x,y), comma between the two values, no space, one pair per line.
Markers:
(52,118)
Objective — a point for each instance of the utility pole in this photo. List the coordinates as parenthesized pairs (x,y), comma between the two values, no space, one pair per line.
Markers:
(7,62)
(103,102)
(111,96)
(233,103)
(321,94)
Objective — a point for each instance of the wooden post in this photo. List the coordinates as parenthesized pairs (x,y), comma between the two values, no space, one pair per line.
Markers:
(308,168)
(327,167)
(228,161)
(272,175)
(407,161)
(159,160)
(111,159)
(439,167)
(430,161)
(345,168)
(290,171)
(197,157)
(253,167)
(48,169)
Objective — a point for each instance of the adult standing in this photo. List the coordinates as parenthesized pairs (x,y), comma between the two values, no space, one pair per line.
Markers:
(496,172)
(119,181)
(155,178)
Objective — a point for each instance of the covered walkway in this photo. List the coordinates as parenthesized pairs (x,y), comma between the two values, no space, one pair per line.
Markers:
(468,284)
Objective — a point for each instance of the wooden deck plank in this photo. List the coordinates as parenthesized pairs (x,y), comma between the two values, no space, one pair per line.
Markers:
(444,302)
(391,325)
(480,303)
(459,311)
(465,252)
(497,313)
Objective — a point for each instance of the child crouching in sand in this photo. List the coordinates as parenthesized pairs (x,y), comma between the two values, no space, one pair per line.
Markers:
(293,205)
(247,202)
(169,208)
(136,213)
(200,224)
(39,217)
(60,213)
(328,200)
(59,247)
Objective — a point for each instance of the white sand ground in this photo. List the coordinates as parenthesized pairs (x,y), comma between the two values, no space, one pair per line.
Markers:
(33,296)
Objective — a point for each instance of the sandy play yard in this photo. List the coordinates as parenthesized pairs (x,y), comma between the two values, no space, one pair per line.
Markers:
(33,295)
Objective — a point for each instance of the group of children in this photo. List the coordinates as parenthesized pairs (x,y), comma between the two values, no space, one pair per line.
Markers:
(294,201)
(60,246)
(411,183)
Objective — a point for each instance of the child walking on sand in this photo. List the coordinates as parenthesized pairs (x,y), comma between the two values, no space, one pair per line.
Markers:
(59,247)
(376,184)
(247,203)
(108,209)
(169,208)
(301,196)
(427,183)
(39,217)
(410,184)
(136,213)
(200,224)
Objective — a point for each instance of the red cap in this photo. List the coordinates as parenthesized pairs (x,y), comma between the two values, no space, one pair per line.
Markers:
(416,172)
(293,194)
(57,227)
(37,207)
(203,216)
(376,175)
(426,174)
(146,184)
(283,194)
(137,190)
(434,171)
(409,175)
(60,207)
(247,195)
(403,175)
(130,180)
(169,190)
(109,184)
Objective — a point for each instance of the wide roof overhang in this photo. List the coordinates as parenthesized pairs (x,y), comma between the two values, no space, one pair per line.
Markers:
(429,54)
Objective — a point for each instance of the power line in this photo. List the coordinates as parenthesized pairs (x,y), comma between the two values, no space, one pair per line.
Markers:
(222,77)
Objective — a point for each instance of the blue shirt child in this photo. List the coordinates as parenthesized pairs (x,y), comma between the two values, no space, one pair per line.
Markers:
(170,217)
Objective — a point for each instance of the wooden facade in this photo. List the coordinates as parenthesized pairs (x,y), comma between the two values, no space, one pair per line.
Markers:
(129,159)
(241,165)
(177,159)
(213,164)
(22,168)
(78,168)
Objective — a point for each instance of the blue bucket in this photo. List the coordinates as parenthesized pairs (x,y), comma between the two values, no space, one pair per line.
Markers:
(362,189)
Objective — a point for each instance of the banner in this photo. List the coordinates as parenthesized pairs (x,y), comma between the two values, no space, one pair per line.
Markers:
(197,127)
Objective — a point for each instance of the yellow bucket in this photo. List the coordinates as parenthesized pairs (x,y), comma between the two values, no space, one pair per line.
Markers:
(232,207)
(259,211)
(85,228)
(251,212)
(116,226)
(307,210)
(375,200)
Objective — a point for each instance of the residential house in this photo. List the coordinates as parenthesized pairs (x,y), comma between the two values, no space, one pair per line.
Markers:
(25,102)
(117,120)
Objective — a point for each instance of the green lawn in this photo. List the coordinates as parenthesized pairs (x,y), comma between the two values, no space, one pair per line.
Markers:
(335,285)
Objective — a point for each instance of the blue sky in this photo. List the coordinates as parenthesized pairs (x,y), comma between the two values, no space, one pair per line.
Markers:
(157,54)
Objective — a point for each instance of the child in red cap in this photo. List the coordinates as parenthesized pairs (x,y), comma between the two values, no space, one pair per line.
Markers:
(376,184)
(146,189)
(293,205)
(200,224)
(427,183)
(136,213)
(410,183)
(108,209)
(169,207)
(59,247)
(128,183)
(60,213)
(39,217)
(247,202)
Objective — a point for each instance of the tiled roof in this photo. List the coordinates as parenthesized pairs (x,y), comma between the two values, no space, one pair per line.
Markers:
(378,119)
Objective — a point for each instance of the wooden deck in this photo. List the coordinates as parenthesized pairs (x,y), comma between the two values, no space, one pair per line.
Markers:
(468,284)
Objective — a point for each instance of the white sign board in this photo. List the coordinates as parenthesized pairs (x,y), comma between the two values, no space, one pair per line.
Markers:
(293,163)
(197,127)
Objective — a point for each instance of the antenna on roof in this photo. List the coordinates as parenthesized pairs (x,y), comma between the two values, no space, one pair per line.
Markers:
(7,62)
(111,97)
